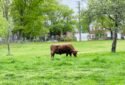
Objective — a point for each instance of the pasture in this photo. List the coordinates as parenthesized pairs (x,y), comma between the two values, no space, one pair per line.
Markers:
(30,64)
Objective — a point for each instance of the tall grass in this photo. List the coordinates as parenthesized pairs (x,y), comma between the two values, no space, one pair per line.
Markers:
(30,64)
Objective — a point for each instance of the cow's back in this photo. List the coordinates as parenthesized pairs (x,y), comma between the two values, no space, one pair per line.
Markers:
(66,48)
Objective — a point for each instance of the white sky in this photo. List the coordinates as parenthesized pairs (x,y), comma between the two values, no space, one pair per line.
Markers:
(74,4)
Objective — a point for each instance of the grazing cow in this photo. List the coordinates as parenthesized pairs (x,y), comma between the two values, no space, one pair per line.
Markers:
(67,49)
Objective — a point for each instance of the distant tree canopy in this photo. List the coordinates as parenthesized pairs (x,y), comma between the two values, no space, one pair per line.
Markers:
(28,18)
(34,18)
(61,20)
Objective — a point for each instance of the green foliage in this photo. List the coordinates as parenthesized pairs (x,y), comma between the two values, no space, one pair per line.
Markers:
(61,20)
(38,17)
(28,18)
(31,64)
(3,26)
(99,34)
(108,13)
(67,38)
(86,20)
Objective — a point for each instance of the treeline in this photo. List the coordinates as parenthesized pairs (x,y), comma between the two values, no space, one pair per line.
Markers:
(31,19)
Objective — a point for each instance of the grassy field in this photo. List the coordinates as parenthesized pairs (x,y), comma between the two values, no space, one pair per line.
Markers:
(30,64)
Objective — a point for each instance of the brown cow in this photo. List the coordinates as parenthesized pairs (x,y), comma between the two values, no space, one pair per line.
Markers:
(67,49)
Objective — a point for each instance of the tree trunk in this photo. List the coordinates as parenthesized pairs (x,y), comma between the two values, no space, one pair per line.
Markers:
(8,41)
(114,43)
(111,32)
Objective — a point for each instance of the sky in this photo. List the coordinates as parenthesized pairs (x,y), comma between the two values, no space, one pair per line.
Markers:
(73,4)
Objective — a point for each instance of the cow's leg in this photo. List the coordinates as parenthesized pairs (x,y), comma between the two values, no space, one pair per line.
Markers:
(70,54)
(66,54)
(52,55)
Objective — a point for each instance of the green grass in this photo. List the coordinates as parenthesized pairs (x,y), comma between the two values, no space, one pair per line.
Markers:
(30,64)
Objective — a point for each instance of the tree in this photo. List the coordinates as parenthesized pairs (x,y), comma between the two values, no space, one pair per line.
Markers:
(35,18)
(28,18)
(113,10)
(6,10)
(61,20)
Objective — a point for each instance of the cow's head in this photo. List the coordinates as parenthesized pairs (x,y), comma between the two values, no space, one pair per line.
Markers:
(74,52)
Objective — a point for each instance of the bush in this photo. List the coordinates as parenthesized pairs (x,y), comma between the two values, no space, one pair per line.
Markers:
(67,38)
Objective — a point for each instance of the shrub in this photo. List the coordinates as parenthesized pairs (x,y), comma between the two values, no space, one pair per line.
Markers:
(67,38)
